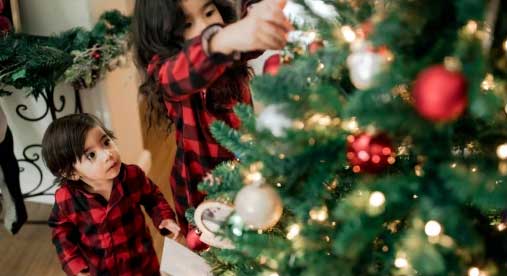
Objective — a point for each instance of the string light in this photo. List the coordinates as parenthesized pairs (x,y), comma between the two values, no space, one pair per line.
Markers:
(471,27)
(293,231)
(505,45)
(320,67)
(319,214)
(418,170)
(296,98)
(350,125)
(432,228)
(246,138)
(377,199)
(321,119)
(274,274)
(348,33)
(298,125)
(488,83)
(501,226)
(501,151)
(401,262)
(474,271)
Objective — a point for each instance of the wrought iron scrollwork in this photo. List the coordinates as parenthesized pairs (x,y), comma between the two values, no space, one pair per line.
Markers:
(32,160)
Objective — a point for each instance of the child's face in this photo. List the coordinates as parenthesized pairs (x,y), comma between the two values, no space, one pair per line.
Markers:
(199,15)
(101,160)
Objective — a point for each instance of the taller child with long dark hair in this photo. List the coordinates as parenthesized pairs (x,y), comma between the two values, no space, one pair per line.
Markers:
(194,54)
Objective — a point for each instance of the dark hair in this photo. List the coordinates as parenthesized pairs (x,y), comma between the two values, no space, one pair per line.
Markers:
(158,30)
(64,140)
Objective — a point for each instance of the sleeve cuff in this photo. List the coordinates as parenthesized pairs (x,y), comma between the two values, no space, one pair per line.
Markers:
(75,266)
(206,37)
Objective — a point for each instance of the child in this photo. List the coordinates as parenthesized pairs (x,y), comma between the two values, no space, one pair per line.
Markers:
(98,225)
(194,56)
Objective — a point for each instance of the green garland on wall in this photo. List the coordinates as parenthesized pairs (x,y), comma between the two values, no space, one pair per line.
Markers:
(76,56)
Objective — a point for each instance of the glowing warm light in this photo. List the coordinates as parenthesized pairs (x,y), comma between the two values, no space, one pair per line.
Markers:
(400,262)
(501,151)
(501,226)
(293,231)
(319,214)
(377,199)
(432,228)
(471,26)
(474,271)
(348,33)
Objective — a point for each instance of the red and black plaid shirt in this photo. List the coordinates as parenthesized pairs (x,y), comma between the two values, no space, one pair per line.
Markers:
(108,237)
(184,79)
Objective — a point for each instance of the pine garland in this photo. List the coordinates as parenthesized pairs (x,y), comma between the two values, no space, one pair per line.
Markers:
(76,56)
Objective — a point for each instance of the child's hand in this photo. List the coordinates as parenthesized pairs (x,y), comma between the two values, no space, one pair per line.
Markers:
(265,27)
(170,225)
(83,274)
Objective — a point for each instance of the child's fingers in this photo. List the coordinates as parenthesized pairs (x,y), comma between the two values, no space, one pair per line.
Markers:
(269,40)
(277,17)
(281,3)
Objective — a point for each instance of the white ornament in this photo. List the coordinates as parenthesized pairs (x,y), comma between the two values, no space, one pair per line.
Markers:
(364,65)
(259,206)
(209,217)
(273,119)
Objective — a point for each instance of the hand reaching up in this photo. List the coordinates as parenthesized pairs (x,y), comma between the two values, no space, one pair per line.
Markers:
(265,27)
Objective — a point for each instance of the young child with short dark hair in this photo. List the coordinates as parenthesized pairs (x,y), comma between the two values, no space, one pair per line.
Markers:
(97,224)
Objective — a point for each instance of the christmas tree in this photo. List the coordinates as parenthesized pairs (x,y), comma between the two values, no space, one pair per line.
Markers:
(385,146)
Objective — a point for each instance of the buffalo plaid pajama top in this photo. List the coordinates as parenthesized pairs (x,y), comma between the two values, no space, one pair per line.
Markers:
(184,79)
(108,237)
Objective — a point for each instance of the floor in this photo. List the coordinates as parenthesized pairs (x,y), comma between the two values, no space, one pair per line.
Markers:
(31,252)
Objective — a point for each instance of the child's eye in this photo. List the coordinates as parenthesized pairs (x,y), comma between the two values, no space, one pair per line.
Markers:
(188,25)
(107,142)
(210,13)
(90,155)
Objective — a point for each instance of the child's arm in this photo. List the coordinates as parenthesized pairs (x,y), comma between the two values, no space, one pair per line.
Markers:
(264,27)
(207,57)
(65,239)
(154,202)
(192,69)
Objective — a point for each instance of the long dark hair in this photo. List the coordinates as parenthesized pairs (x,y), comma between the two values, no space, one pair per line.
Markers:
(158,30)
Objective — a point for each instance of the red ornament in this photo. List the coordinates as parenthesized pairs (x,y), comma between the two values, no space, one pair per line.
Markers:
(194,242)
(272,65)
(440,95)
(315,46)
(371,154)
(5,24)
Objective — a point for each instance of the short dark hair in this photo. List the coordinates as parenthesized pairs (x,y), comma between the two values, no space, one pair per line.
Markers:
(64,140)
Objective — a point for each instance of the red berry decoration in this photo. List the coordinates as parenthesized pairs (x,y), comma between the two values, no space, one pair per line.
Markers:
(272,65)
(315,46)
(194,242)
(96,55)
(369,153)
(440,95)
